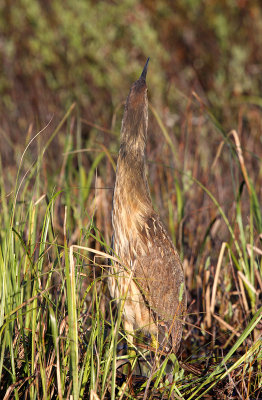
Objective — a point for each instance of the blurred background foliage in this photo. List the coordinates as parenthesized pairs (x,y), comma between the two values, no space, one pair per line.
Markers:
(53,53)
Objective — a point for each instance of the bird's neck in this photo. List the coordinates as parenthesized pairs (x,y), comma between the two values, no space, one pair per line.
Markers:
(131,182)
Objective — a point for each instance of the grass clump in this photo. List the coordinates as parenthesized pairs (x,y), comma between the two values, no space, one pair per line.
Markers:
(60,332)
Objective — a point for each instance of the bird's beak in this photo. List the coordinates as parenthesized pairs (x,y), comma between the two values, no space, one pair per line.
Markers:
(144,72)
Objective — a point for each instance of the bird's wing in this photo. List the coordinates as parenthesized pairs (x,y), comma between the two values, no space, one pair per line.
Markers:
(160,277)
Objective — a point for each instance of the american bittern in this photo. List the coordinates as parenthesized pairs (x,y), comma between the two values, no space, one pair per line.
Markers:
(150,275)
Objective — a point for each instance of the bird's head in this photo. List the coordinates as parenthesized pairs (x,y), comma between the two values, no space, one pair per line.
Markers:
(135,120)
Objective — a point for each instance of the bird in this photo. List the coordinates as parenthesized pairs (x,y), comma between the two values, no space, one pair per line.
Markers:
(149,276)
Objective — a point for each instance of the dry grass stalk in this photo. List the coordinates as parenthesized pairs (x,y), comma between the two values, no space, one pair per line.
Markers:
(241,159)
(242,289)
(93,395)
(258,276)
(251,248)
(208,319)
(226,325)
(214,290)
(244,279)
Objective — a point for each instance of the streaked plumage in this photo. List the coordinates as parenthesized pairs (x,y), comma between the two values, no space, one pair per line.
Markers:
(139,238)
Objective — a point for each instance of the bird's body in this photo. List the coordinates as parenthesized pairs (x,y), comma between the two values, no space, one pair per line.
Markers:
(150,275)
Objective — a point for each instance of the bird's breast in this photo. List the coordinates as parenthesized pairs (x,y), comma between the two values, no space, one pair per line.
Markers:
(128,222)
